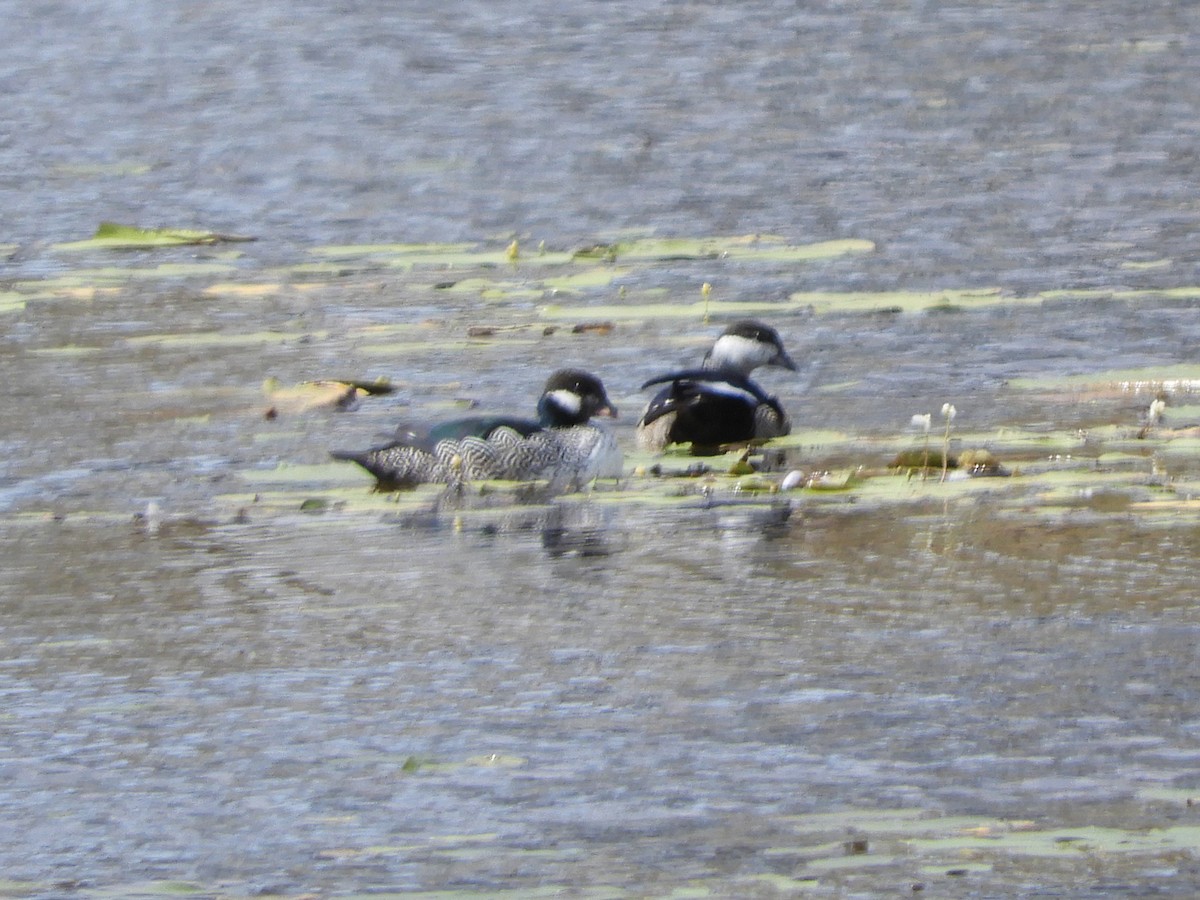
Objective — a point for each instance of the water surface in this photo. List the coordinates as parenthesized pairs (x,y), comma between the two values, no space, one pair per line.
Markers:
(207,690)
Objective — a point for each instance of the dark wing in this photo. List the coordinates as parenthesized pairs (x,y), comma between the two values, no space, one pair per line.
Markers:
(471,426)
(704,414)
(710,409)
(716,377)
(678,396)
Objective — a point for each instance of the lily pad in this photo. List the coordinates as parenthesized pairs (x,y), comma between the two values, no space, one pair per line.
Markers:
(1065,842)
(639,312)
(232,289)
(358,250)
(577,282)
(410,256)
(901,301)
(1179,293)
(114,236)
(747,247)
(66,350)
(1182,378)
(101,170)
(202,339)
(87,283)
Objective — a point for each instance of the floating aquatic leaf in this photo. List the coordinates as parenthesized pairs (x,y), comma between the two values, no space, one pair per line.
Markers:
(114,236)
(1178,293)
(747,247)
(1071,843)
(588,279)
(840,863)
(781,885)
(406,349)
(1182,414)
(231,289)
(201,339)
(304,473)
(176,888)
(84,170)
(598,251)
(900,301)
(1184,377)
(1139,265)
(820,302)
(122,275)
(443,256)
(496,760)
(491,289)
(810,438)
(10,887)
(1181,796)
(957,870)
(65,350)
(352,250)
(644,311)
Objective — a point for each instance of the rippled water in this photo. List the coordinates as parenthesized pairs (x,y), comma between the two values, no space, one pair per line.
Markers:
(605,698)
(238,704)
(1021,144)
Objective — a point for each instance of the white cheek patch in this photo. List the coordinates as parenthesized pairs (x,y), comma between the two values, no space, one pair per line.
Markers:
(566,400)
(741,352)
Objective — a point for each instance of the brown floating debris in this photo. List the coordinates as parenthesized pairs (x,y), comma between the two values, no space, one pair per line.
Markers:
(493,330)
(313,395)
(594,328)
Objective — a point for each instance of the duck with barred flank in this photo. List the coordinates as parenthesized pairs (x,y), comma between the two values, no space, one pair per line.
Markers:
(718,404)
(561,445)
